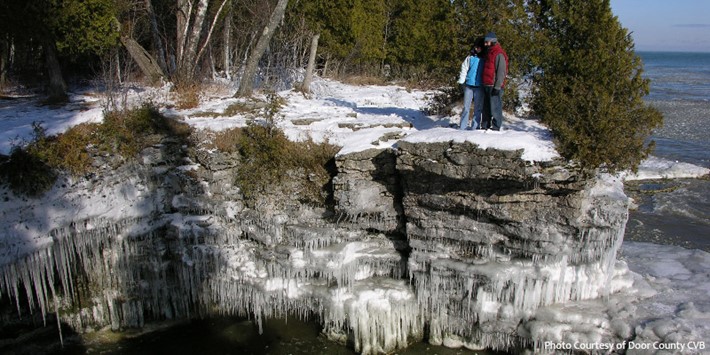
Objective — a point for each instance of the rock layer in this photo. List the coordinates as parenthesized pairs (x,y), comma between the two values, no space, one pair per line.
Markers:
(494,238)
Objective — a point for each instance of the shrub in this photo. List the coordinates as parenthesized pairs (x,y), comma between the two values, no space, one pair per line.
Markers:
(26,174)
(65,151)
(442,102)
(362,80)
(188,95)
(273,107)
(127,132)
(271,163)
(590,90)
(511,96)
(227,140)
(31,170)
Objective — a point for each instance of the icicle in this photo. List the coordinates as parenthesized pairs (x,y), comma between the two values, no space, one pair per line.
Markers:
(59,323)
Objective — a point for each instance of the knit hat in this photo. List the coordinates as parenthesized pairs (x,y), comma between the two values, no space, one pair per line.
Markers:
(491,36)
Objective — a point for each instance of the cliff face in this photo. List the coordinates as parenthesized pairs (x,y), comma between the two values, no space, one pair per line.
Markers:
(494,238)
(466,243)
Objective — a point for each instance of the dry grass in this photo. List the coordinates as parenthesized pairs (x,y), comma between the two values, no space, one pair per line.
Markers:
(123,134)
(239,108)
(272,163)
(227,140)
(188,95)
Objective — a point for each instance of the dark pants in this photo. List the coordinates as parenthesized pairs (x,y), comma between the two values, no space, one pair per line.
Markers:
(492,109)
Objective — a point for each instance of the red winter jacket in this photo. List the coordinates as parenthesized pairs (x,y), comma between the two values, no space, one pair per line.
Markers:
(493,72)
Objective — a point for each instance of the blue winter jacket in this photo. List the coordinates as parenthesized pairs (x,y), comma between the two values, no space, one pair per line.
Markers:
(471,71)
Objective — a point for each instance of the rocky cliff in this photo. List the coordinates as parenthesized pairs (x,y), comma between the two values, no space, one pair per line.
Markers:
(444,241)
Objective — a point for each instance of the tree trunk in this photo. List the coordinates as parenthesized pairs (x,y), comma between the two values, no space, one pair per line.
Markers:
(119,74)
(4,60)
(57,90)
(187,61)
(145,61)
(213,68)
(227,46)
(208,37)
(306,86)
(156,37)
(246,86)
(182,19)
(191,41)
(325,66)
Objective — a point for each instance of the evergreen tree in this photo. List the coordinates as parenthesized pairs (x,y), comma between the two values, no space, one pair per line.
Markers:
(59,29)
(85,27)
(332,19)
(591,89)
(369,20)
(423,38)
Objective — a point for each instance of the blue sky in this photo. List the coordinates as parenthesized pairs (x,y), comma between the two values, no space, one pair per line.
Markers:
(666,25)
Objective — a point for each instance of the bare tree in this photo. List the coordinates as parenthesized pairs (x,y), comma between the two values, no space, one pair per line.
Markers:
(191,37)
(208,36)
(148,65)
(115,71)
(4,59)
(57,86)
(305,87)
(246,86)
(158,42)
(227,39)
(182,18)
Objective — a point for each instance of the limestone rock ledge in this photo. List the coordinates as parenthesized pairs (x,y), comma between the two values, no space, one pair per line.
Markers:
(494,238)
(465,243)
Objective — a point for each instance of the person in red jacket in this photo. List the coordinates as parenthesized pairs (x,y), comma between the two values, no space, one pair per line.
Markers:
(495,68)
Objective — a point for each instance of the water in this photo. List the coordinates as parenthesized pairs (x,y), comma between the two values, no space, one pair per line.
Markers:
(676,212)
(217,335)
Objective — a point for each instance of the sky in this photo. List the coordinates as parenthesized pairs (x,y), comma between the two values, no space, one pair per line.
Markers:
(666,25)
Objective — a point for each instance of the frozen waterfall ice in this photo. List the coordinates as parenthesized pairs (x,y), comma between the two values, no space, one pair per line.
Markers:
(425,255)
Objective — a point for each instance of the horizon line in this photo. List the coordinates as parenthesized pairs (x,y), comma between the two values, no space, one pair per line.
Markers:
(702,51)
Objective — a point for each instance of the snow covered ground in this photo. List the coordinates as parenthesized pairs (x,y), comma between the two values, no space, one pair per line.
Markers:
(668,306)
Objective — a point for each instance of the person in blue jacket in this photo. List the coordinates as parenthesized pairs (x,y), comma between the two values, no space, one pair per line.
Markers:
(471,80)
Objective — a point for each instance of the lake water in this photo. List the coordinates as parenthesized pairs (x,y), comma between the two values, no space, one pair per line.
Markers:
(678,211)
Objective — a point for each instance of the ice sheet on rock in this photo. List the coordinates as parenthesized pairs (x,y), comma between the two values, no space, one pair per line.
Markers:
(496,289)
(659,168)
(311,237)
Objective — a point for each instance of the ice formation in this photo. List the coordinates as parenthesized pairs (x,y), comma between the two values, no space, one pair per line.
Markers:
(471,244)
